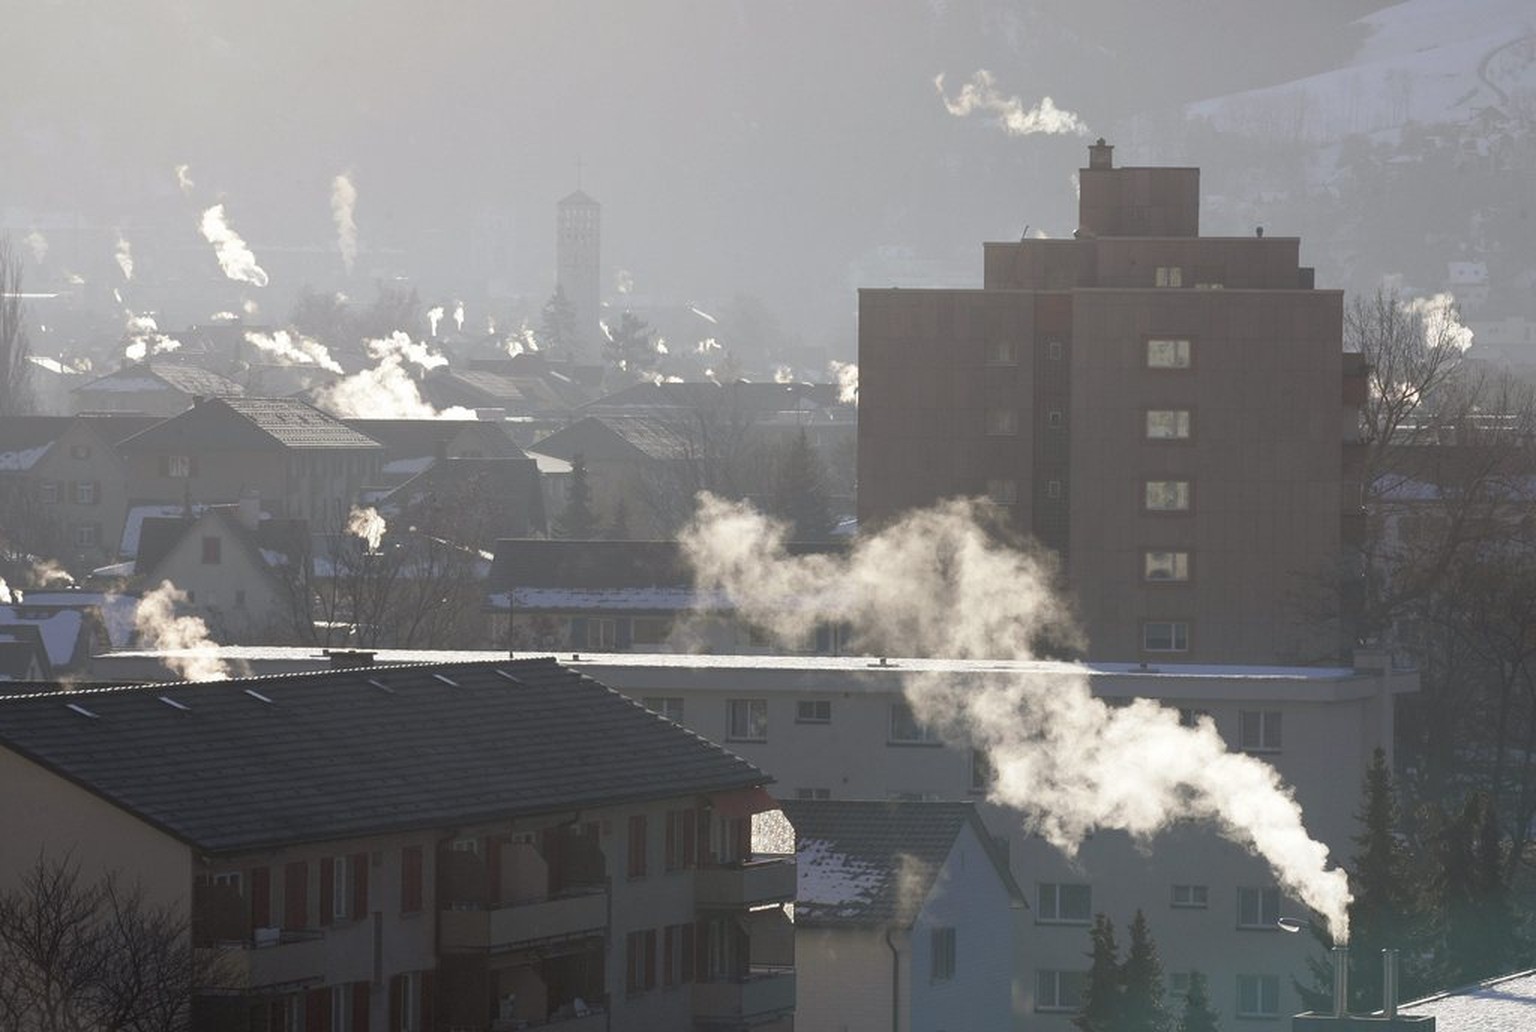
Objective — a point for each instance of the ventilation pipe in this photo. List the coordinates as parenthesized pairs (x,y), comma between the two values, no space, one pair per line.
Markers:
(1340,981)
(1389,983)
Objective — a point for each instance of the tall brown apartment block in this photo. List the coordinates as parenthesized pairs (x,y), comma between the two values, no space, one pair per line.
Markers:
(1169,413)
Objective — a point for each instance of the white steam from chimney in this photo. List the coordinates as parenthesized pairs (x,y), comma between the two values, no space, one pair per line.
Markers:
(368,525)
(292,348)
(145,338)
(6,598)
(183,181)
(981,94)
(938,583)
(235,258)
(458,315)
(38,243)
(195,656)
(47,573)
(343,201)
(847,376)
(124,256)
(783,374)
(1441,321)
(434,316)
(400,344)
(388,390)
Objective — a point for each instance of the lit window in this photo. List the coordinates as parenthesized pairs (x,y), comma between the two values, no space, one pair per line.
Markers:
(1167,354)
(1165,566)
(1258,996)
(1064,903)
(1003,490)
(1191,896)
(1167,424)
(1059,990)
(906,729)
(942,947)
(1002,352)
(813,711)
(1002,422)
(668,706)
(1258,908)
(1167,495)
(1259,730)
(748,720)
(1170,276)
(1165,636)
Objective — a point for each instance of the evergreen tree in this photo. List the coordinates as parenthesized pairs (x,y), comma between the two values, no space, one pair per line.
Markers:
(1475,927)
(558,332)
(630,352)
(578,521)
(1102,1009)
(1199,1015)
(1141,983)
(1380,916)
(799,493)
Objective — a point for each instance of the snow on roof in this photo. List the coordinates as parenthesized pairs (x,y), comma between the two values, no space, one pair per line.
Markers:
(23,459)
(548,463)
(1491,1006)
(60,629)
(133,526)
(116,610)
(842,883)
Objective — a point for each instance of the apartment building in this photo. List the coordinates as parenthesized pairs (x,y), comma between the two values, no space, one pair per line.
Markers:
(1169,413)
(478,845)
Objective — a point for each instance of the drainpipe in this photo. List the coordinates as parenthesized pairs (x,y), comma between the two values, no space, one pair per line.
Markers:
(895,983)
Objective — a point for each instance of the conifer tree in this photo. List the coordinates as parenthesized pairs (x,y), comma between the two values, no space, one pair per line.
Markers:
(1475,935)
(1381,914)
(578,520)
(1102,998)
(1199,1015)
(799,493)
(1141,983)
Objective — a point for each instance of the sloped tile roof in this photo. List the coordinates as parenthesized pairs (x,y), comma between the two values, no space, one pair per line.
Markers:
(865,863)
(248,423)
(364,751)
(178,376)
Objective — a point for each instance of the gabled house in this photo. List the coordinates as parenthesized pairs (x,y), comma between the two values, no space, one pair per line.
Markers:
(152,388)
(299,461)
(480,846)
(904,907)
(69,635)
(472,502)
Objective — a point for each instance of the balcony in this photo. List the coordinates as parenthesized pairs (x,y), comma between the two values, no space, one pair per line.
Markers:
(768,879)
(512,925)
(595,1020)
(271,959)
(762,995)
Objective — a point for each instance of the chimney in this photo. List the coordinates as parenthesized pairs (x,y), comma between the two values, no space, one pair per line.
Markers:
(1389,983)
(1101,154)
(1340,981)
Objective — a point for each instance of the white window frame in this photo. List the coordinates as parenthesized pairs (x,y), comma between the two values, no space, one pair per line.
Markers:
(1002,422)
(88,535)
(1049,897)
(602,634)
(48,492)
(1258,907)
(1167,495)
(1053,993)
(746,720)
(1262,994)
(1002,351)
(1260,731)
(1169,276)
(1176,638)
(1191,897)
(1164,567)
(85,492)
(341,888)
(341,1007)
(1169,352)
(1168,424)
(178,467)
(1003,491)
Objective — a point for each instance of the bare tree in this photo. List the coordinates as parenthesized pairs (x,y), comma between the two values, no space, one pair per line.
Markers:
(15,348)
(78,956)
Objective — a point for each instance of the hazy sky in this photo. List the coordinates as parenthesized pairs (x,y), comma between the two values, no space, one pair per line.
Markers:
(752,147)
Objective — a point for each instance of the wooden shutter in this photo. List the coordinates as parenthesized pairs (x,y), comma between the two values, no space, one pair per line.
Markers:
(650,958)
(672,822)
(410,885)
(688,948)
(396,1007)
(359,886)
(428,1001)
(296,896)
(261,897)
(317,1010)
(327,891)
(668,956)
(359,1007)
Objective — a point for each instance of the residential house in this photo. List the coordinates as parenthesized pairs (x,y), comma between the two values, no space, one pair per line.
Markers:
(472,502)
(650,465)
(904,907)
(152,388)
(411,446)
(68,634)
(494,395)
(299,461)
(477,846)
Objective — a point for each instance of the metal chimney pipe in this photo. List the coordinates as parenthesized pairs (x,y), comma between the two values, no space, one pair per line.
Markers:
(1389,983)
(1340,981)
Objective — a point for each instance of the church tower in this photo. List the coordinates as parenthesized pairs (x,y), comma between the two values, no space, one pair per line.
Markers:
(578,261)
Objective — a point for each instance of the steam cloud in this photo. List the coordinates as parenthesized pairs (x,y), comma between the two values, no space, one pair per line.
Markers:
(343,201)
(38,243)
(183,181)
(235,258)
(47,573)
(146,339)
(458,316)
(124,256)
(1441,322)
(388,390)
(6,597)
(400,345)
(159,627)
(937,583)
(847,376)
(981,94)
(293,349)
(368,525)
(434,316)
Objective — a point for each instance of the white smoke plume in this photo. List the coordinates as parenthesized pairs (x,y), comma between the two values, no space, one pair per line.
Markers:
(294,349)
(144,345)
(783,374)
(368,525)
(624,282)
(847,376)
(343,201)
(981,94)
(142,322)
(47,573)
(183,181)
(1441,321)
(458,315)
(388,390)
(235,258)
(117,295)
(400,345)
(939,583)
(38,243)
(490,325)
(124,256)
(661,346)
(195,655)
(434,316)
(6,598)
(249,307)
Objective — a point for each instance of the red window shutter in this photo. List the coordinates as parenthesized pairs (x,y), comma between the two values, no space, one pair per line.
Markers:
(396,990)
(327,891)
(359,1007)
(359,886)
(686,949)
(410,885)
(317,1010)
(261,897)
(428,1001)
(650,958)
(690,838)
(296,896)
(701,951)
(668,958)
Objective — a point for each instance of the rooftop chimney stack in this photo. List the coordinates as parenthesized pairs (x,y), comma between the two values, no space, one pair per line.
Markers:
(1340,981)
(1389,983)
(1101,154)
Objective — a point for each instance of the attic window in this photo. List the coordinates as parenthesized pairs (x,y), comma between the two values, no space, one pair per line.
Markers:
(253,693)
(450,682)
(82,710)
(175,705)
(381,686)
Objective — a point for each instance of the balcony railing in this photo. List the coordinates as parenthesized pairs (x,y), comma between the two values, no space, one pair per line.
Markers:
(759,995)
(271,958)
(511,925)
(594,1020)
(765,879)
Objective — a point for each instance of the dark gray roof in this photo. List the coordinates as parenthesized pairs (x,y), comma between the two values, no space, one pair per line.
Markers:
(364,751)
(620,437)
(240,424)
(865,863)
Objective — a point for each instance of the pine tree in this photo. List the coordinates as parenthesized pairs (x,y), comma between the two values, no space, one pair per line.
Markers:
(1475,926)
(1141,983)
(799,493)
(1102,1009)
(578,521)
(1199,1015)
(1380,916)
